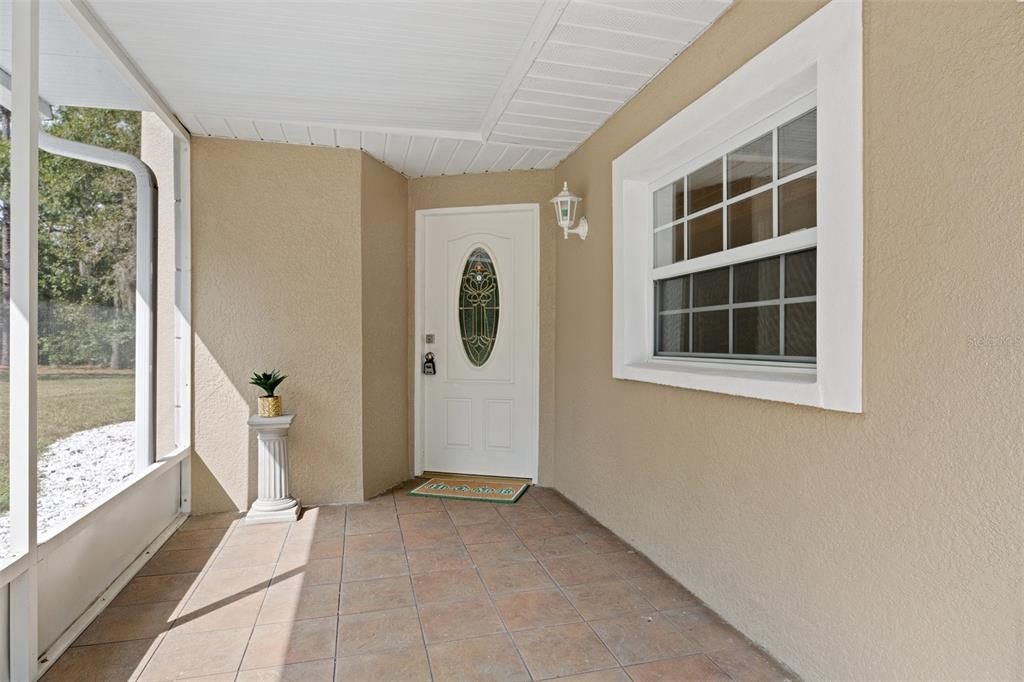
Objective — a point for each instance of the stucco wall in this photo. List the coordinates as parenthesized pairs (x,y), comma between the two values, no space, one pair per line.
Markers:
(276,284)
(385,281)
(882,545)
(521,187)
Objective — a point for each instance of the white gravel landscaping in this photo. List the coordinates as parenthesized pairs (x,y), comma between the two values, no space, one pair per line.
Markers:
(75,471)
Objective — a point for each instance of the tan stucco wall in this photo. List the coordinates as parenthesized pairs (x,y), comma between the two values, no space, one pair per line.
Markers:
(276,284)
(883,545)
(158,154)
(521,187)
(385,327)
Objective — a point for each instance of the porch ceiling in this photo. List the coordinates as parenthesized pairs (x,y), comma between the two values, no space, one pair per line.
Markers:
(429,87)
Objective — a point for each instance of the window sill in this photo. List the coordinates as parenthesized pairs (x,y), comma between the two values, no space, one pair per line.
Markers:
(798,385)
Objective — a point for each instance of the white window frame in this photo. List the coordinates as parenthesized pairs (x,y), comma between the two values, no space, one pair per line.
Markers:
(819,63)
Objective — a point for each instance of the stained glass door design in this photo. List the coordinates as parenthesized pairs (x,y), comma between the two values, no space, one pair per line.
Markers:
(479,306)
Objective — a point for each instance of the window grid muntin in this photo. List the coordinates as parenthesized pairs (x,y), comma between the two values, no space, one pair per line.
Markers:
(781,302)
(727,201)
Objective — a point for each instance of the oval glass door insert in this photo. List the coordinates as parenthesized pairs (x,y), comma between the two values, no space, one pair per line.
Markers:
(478,306)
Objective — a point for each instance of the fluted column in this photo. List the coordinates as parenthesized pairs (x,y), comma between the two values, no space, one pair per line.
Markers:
(273,504)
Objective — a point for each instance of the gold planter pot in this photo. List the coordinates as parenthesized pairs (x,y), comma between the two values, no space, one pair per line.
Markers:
(270,407)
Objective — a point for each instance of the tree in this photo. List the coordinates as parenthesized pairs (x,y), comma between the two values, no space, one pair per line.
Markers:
(86,241)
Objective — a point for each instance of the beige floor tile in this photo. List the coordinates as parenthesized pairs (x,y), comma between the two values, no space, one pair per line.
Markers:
(539,528)
(579,524)
(371,520)
(195,539)
(376,595)
(328,516)
(459,620)
(242,555)
(375,542)
(165,562)
(603,542)
(500,553)
(308,671)
(231,582)
(525,610)
(235,611)
(632,565)
(308,571)
(466,513)
(102,662)
(444,558)
(425,521)
(580,568)
(314,533)
(124,623)
(312,547)
(155,588)
(613,675)
(556,546)
(484,658)
(430,537)
(409,504)
(696,667)
(193,654)
(701,624)
(293,601)
(518,577)
(382,501)
(374,565)
(643,638)
(216,677)
(399,665)
(480,533)
(747,664)
(258,534)
(364,633)
(607,599)
(525,503)
(663,592)
(563,650)
(447,586)
(212,521)
(279,644)
(521,512)
(558,506)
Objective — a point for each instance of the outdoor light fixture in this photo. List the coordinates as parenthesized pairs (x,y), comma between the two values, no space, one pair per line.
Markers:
(565,212)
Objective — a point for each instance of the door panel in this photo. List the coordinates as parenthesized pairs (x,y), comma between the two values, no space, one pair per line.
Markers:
(478,299)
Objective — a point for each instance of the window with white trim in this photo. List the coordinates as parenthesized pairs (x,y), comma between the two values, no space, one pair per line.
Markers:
(738,229)
(753,309)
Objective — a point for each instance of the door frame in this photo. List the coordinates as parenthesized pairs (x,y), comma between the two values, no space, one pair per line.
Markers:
(420,311)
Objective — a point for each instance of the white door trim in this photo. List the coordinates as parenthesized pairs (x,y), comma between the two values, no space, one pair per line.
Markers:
(420,312)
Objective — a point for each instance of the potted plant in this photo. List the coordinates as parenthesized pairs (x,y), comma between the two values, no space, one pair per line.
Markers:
(269,404)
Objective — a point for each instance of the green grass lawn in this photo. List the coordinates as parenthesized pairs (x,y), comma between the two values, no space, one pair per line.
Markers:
(69,400)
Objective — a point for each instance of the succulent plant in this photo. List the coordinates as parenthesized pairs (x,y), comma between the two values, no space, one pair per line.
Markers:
(268,381)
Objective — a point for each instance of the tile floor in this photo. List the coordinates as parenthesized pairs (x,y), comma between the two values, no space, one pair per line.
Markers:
(407,588)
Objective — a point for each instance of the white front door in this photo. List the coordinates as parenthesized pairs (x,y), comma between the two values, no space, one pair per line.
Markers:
(477,313)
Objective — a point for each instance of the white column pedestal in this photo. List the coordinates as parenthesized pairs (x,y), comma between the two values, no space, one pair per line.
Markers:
(273,504)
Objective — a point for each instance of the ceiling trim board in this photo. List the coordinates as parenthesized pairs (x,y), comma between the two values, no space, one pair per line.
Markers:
(624,32)
(625,53)
(536,39)
(565,94)
(82,15)
(646,12)
(624,72)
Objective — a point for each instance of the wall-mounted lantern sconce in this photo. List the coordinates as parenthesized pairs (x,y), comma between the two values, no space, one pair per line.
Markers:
(565,212)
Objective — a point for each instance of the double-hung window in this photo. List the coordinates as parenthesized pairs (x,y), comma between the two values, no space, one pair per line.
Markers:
(738,229)
(744,305)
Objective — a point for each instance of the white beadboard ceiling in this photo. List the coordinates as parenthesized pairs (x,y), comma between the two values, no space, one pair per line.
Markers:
(429,87)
